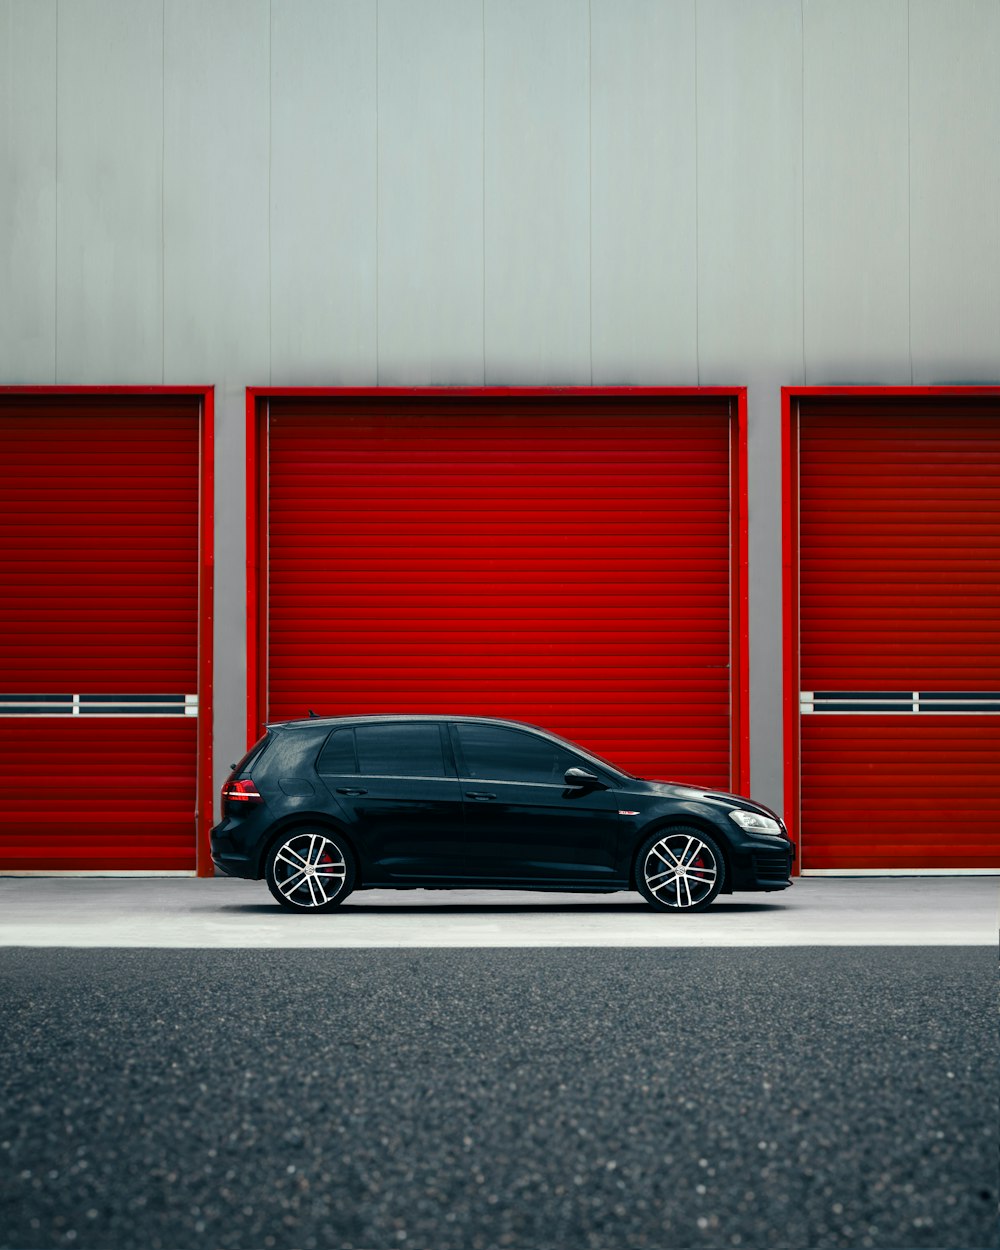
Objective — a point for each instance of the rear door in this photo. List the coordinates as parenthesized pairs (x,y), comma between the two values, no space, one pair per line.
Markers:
(523,823)
(397,789)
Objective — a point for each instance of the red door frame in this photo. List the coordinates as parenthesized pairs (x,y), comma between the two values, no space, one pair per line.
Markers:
(790,395)
(256,539)
(204,786)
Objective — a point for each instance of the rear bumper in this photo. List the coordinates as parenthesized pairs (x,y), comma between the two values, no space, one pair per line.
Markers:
(230,853)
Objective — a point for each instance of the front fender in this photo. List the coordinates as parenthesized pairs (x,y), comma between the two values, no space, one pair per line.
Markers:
(691,814)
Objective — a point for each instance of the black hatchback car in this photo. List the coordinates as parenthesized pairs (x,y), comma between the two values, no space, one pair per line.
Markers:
(324,806)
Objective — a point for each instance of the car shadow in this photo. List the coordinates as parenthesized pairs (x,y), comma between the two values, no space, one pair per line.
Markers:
(354,906)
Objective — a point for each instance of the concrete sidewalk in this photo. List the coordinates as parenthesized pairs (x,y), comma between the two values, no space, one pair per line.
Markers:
(226,913)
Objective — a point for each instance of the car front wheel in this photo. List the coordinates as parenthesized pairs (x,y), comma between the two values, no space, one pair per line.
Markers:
(310,870)
(679,869)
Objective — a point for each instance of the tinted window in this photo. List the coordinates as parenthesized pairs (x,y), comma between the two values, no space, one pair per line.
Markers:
(399,751)
(337,757)
(493,753)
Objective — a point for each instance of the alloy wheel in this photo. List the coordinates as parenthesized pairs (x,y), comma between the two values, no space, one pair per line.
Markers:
(682,870)
(309,871)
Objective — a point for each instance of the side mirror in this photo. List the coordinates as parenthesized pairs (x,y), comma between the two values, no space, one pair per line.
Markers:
(580,779)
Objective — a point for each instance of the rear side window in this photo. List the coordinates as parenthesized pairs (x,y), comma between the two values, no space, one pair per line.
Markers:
(337,757)
(400,751)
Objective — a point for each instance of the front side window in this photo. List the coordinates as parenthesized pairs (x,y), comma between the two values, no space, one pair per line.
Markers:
(495,753)
(400,751)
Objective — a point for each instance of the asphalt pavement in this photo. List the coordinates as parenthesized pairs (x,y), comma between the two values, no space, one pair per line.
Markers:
(793,1098)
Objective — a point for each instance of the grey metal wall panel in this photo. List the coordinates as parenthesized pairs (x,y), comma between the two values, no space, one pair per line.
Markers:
(955,190)
(110,280)
(644,269)
(323,192)
(765,589)
(515,191)
(216,155)
(537,178)
(750,289)
(28,191)
(856,192)
(216,296)
(749,188)
(430,192)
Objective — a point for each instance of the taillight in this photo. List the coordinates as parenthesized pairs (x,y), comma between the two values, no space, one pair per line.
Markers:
(241,792)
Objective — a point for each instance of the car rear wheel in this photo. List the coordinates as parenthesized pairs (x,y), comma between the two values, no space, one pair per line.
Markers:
(679,869)
(310,870)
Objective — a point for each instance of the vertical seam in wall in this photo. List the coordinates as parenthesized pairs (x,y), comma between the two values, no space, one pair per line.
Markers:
(697,215)
(909,204)
(802,172)
(55,275)
(270,200)
(378,199)
(163,191)
(483,157)
(590,185)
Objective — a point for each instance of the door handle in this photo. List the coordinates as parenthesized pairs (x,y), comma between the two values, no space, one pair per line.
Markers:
(479,796)
(347,790)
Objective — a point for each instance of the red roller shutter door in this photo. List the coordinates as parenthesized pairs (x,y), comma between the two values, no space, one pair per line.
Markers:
(99,558)
(564,561)
(899,516)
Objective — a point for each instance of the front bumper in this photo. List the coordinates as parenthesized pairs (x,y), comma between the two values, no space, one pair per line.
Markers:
(762,865)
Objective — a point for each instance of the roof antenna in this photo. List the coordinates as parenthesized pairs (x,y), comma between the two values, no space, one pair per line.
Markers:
(311,712)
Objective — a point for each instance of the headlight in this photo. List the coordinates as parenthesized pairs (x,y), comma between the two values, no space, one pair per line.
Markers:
(754,822)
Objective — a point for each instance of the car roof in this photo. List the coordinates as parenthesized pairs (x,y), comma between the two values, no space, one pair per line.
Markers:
(318,722)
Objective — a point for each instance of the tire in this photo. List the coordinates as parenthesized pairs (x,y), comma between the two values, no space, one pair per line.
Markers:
(310,870)
(679,869)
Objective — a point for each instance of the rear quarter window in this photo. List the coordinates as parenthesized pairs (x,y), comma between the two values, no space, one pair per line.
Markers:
(338,759)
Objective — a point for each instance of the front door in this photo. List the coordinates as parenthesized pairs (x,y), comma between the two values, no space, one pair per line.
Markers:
(522,821)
